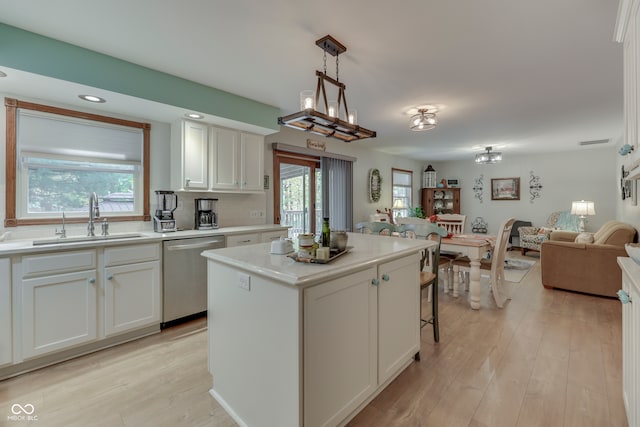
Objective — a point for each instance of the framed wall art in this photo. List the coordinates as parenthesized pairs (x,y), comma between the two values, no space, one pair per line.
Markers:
(505,188)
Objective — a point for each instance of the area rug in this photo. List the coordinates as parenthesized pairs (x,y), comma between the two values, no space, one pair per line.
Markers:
(516,269)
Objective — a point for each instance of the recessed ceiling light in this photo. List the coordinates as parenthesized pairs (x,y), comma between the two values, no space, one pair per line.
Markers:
(92,98)
(194,116)
(2,74)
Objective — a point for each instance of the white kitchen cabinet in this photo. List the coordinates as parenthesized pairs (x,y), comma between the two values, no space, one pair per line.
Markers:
(132,287)
(242,239)
(251,162)
(225,158)
(340,347)
(627,32)
(630,339)
(58,312)
(190,154)
(211,158)
(132,296)
(237,160)
(398,309)
(5,312)
(269,236)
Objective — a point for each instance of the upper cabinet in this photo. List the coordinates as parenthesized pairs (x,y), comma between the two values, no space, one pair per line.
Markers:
(628,33)
(210,158)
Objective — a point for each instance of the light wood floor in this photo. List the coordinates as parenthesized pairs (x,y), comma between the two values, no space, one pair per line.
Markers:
(549,358)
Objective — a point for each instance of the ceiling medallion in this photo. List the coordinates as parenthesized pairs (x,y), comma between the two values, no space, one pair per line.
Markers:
(335,120)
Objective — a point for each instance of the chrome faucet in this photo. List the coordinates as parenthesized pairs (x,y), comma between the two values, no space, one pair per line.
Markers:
(94,212)
(62,233)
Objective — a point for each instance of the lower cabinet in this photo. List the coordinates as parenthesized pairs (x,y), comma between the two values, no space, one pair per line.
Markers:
(340,347)
(132,296)
(242,239)
(398,309)
(359,331)
(71,298)
(6,348)
(631,340)
(58,312)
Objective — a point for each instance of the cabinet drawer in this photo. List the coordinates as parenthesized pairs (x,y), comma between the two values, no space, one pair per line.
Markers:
(131,254)
(61,262)
(274,235)
(242,239)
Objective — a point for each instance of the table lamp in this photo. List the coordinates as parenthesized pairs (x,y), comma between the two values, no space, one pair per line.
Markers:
(583,209)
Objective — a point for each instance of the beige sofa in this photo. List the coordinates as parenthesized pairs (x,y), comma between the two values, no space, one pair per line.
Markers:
(569,261)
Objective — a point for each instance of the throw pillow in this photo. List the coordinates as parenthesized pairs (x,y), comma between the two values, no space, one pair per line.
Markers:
(544,230)
(584,238)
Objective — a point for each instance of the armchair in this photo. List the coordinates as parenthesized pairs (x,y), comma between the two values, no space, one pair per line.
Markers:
(586,267)
(532,237)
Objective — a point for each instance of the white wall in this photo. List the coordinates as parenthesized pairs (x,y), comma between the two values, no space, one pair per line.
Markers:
(588,174)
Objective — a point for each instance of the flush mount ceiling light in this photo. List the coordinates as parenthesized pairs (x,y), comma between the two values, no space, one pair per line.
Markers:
(425,119)
(92,98)
(335,121)
(489,157)
(194,116)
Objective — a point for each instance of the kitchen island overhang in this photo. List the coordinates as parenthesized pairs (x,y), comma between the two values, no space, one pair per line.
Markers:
(295,344)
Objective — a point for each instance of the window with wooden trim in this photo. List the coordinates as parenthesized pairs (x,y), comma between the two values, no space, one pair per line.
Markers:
(55,158)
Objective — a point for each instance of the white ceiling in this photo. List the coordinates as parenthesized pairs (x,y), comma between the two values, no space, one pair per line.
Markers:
(523,76)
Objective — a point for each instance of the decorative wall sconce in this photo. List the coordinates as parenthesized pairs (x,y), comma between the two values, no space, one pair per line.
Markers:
(478,187)
(535,188)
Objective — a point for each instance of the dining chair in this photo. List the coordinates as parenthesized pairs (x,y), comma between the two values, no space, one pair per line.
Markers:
(453,223)
(429,279)
(495,265)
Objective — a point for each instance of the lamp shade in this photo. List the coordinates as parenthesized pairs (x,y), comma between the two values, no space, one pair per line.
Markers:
(398,204)
(583,208)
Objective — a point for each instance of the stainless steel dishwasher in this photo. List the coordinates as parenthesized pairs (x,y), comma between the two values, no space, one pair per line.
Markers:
(185,277)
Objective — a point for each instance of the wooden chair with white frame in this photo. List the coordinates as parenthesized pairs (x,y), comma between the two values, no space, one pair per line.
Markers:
(495,265)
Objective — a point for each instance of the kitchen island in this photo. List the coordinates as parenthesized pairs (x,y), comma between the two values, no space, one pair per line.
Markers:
(298,344)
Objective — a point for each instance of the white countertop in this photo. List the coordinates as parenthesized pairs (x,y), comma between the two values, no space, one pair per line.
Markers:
(367,250)
(16,247)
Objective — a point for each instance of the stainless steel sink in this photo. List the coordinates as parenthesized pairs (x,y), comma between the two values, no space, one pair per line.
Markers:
(79,239)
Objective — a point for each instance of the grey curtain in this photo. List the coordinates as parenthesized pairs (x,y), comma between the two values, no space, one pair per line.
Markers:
(337,193)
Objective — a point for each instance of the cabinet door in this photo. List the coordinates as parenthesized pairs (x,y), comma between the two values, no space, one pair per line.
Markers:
(398,314)
(339,347)
(225,151)
(242,239)
(269,236)
(252,162)
(631,352)
(58,312)
(5,311)
(194,156)
(132,296)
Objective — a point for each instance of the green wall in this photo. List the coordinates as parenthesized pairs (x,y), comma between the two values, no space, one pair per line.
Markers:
(30,52)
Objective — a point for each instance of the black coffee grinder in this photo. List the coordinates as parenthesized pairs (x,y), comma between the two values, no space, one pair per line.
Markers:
(206,217)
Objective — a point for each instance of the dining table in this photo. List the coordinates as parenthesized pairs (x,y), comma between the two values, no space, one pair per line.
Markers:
(475,247)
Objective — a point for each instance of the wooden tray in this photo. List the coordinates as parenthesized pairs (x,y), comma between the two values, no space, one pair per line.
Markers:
(334,254)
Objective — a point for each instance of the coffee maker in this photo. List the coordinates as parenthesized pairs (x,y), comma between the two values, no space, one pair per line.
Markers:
(167,202)
(206,217)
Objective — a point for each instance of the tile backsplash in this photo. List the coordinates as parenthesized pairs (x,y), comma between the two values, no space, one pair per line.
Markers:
(233,210)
